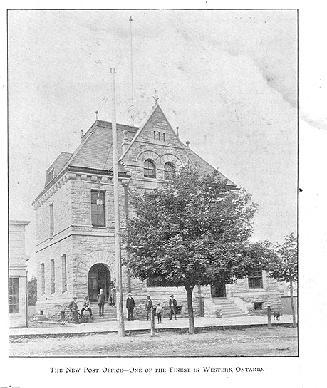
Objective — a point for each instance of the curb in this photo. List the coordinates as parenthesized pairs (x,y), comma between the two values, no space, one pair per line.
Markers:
(181,330)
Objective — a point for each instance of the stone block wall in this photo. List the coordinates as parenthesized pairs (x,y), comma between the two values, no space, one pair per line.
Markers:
(60,196)
(46,300)
(245,297)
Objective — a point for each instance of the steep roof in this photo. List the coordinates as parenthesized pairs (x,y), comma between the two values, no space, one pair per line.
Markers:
(95,151)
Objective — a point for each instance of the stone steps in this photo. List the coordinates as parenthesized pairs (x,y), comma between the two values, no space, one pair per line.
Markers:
(227,308)
(110,312)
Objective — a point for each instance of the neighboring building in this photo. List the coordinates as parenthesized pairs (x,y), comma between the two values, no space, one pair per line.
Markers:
(75,221)
(17,274)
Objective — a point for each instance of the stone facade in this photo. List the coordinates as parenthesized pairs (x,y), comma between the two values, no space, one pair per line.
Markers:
(74,256)
(17,274)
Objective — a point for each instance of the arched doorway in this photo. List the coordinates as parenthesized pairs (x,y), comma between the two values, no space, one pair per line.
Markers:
(99,277)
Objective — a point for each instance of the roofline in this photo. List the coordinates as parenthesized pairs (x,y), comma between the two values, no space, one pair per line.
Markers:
(68,168)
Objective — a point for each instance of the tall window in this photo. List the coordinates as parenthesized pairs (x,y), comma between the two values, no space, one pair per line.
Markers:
(53,277)
(13,295)
(169,170)
(64,272)
(51,219)
(255,279)
(149,169)
(42,279)
(98,208)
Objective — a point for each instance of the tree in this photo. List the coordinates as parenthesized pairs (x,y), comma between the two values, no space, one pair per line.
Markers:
(285,266)
(32,291)
(191,231)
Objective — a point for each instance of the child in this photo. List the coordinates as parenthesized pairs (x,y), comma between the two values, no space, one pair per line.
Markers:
(159,312)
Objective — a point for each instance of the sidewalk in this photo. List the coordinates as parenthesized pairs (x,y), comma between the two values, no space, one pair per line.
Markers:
(181,324)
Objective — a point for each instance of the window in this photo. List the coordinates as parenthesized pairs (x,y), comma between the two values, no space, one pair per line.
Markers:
(257,305)
(163,136)
(13,295)
(98,208)
(53,277)
(64,273)
(149,169)
(42,279)
(51,219)
(255,279)
(169,170)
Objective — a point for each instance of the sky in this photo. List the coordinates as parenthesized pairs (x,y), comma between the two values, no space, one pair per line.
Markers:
(227,79)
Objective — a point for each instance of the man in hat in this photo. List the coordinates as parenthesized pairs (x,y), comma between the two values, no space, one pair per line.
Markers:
(74,309)
(101,300)
(172,307)
(130,304)
(148,306)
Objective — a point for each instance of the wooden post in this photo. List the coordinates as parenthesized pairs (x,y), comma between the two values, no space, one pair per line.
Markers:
(269,316)
(119,287)
(153,326)
(292,303)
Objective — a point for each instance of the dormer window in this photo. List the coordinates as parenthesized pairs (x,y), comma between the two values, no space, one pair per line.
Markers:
(149,169)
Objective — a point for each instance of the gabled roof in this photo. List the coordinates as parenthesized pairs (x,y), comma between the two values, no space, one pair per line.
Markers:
(94,154)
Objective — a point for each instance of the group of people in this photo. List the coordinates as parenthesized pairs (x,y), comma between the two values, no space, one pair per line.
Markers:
(158,310)
(130,305)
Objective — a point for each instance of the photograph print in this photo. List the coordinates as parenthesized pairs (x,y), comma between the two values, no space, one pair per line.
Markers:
(153,185)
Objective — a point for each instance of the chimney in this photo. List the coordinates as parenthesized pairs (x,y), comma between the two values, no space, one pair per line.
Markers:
(177,131)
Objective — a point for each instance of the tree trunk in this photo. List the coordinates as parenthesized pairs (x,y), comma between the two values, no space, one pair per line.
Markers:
(189,292)
(292,304)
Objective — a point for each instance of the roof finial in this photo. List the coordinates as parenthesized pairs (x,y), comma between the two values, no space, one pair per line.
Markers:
(155,97)
(177,131)
(96,115)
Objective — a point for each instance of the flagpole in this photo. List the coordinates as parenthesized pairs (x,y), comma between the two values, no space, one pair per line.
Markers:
(119,286)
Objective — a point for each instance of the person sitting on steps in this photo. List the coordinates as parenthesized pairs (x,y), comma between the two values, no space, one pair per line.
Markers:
(86,307)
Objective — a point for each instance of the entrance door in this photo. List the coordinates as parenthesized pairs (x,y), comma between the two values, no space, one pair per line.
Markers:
(99,278)
(218,289)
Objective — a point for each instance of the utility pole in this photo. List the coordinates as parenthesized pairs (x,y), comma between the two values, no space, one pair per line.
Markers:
(132,108)
(119,286)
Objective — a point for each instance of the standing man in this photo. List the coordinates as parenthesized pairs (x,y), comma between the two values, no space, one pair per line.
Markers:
(101,300)
(130,304)
(172,306)
(148,306)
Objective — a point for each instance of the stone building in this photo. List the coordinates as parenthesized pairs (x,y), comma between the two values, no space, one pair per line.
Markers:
(17,286)
(75,221)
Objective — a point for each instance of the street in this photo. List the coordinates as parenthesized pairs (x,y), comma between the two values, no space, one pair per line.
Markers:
(255,341)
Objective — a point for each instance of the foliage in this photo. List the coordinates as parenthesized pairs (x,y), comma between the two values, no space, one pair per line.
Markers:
(285,265)
(191,231)
(32,291)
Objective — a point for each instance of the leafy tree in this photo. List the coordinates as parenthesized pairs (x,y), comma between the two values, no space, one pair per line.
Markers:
(191,231)
(32,291)
(285,266)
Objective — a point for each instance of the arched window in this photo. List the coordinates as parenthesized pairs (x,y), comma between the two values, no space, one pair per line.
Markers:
(169,170)
(149,169)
